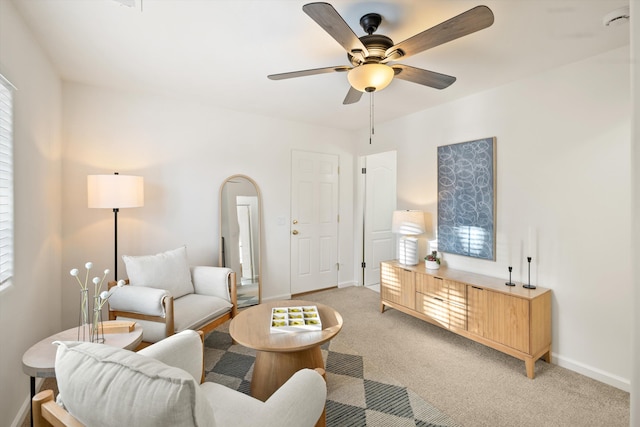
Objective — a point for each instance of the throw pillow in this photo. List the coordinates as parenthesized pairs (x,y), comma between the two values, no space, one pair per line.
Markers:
(103,385)
(167,270)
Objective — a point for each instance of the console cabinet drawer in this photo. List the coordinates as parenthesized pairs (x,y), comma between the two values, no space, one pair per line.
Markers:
(442,300)
(434,307)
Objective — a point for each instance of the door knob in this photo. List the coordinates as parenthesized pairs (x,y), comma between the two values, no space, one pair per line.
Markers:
(295,221)
(294,232)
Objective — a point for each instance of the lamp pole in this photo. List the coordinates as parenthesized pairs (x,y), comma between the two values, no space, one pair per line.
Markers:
(115,243)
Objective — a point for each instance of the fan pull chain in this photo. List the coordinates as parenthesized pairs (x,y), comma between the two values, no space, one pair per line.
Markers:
(371,117)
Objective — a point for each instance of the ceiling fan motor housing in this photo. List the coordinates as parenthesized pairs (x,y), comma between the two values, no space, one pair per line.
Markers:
(376,44)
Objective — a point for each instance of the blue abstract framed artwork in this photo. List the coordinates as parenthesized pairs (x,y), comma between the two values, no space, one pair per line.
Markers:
(466,198)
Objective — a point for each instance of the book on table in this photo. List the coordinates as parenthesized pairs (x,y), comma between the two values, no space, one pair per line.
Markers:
(118,327)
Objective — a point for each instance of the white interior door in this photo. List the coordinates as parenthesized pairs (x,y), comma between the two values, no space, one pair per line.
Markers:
(314,221)
(380,202)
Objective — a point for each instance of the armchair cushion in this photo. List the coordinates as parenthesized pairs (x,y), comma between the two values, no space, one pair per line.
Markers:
(298,402)
(167,270)
(211,281)
(182,350)
(138,299)
(193,311)
(103,385)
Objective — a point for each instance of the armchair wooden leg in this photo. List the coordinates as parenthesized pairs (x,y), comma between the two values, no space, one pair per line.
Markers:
(322,421)
(46,412)
(203,372)
(36,407)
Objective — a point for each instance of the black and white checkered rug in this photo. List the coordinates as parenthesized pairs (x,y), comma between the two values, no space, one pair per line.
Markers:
(358,394)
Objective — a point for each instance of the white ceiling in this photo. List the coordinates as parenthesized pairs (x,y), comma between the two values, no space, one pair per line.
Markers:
(220,51)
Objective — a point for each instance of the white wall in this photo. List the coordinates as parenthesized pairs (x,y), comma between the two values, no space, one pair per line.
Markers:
(30,308)
(184,151)
(635,197)
(563,171)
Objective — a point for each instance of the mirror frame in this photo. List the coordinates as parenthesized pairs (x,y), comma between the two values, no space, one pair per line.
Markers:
(220,242)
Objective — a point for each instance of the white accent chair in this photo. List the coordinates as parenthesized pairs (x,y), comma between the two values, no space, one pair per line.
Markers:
(166,296)
(160,386)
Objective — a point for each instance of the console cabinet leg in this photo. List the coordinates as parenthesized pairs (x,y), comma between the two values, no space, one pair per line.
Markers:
(530,364)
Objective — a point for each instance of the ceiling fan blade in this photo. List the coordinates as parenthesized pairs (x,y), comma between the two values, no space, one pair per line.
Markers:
(423,77)
(330,20)
(473,20)
(303,73)
(353,96)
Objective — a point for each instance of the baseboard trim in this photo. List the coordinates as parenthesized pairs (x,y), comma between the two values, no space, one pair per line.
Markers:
(347,284)
(277,297)
(289,296)
(26,406)
(623,384)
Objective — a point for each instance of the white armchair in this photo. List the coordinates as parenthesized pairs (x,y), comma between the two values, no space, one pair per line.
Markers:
(166,296)
(102,385)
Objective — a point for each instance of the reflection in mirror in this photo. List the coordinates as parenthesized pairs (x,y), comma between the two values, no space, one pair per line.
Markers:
(240,223)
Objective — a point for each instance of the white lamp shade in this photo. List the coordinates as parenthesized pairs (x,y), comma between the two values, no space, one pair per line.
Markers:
(376,76)
(408,223)
(115,191)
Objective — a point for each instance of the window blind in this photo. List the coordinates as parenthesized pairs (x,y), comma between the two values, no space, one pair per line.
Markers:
(6,181)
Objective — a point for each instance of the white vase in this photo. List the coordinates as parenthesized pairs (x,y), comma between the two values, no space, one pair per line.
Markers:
(431,265)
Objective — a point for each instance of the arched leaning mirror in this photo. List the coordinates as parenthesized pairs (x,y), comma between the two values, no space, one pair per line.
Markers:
(240,230)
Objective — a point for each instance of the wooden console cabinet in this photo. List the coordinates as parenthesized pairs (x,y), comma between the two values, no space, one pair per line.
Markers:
(510,319)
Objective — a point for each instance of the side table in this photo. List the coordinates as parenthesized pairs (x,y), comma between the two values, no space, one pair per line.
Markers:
(39,361)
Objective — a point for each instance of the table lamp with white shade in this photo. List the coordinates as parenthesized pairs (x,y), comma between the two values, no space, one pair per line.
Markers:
(409,224)
(114,192)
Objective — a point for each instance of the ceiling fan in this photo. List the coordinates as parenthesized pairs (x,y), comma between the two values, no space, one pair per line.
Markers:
(370,54)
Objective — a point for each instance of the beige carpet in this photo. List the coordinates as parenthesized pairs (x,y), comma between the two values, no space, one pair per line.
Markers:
(358,393)
(472,384)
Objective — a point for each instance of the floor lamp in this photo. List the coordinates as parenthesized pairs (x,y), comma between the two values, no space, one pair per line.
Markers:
(114,192)
(409,224)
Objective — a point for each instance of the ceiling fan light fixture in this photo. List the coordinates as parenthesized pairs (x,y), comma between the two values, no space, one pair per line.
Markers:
(370,77)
